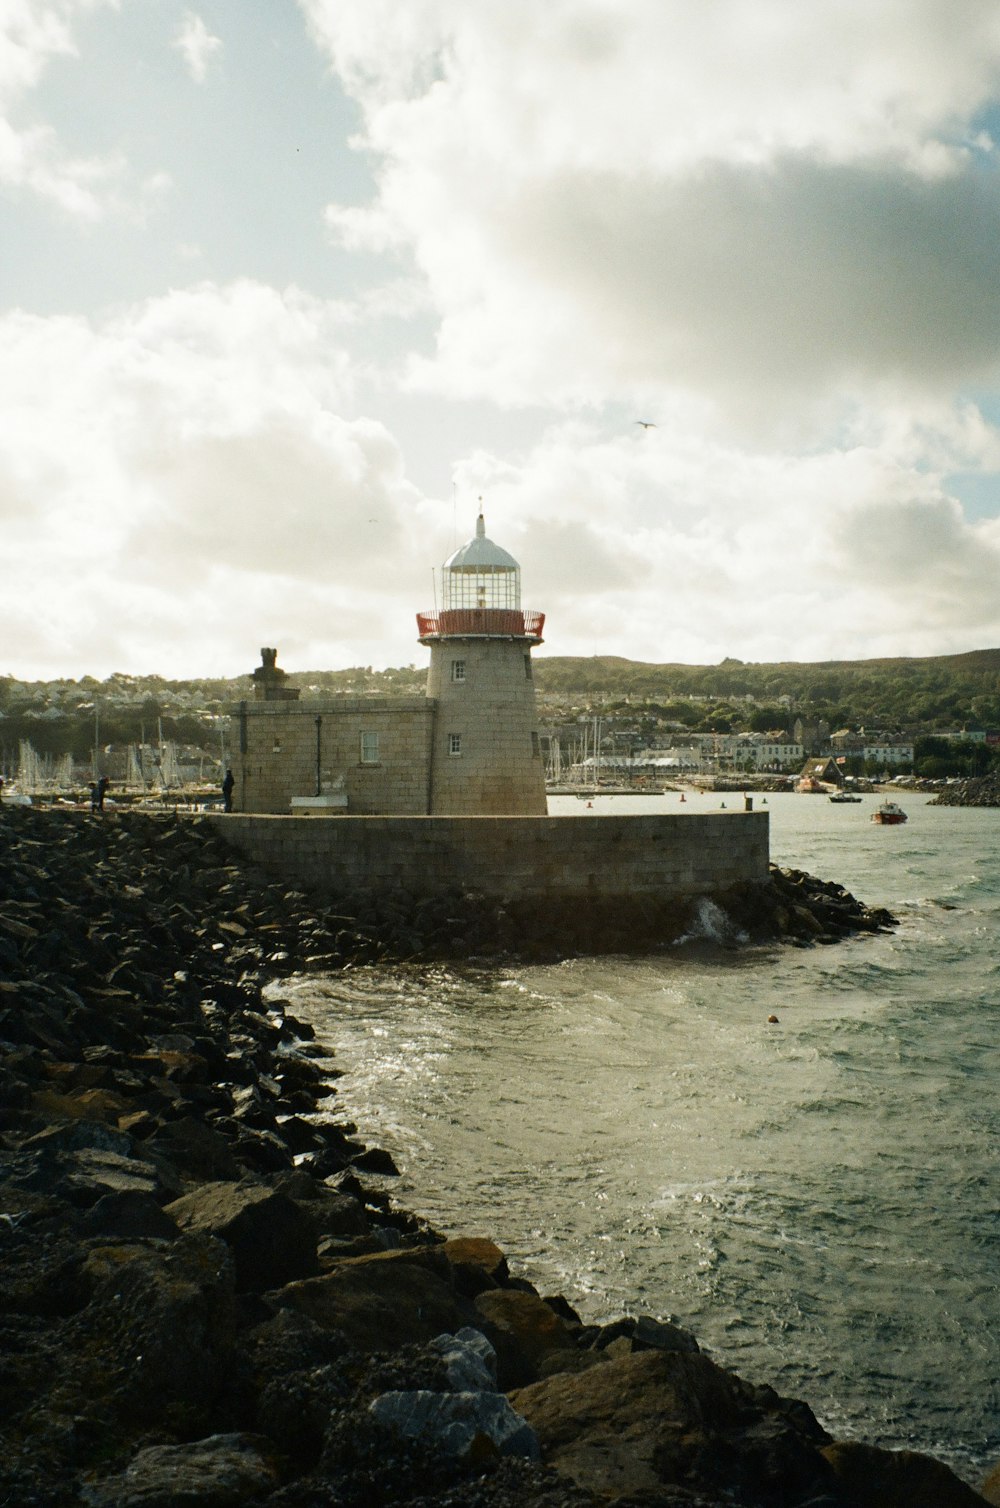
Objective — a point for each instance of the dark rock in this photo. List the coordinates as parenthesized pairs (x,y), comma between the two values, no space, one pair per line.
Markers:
(874,1478)
(375,1160)
(384,1301)
(197,1150)
(634,1425)
(272,1241)
(526,1333)
(218,1472)
(132,1216)
(158,1333)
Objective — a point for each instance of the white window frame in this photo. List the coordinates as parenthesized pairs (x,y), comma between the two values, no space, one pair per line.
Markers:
(454,744)
(369,753)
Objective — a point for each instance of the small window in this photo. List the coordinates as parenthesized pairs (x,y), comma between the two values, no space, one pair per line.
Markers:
(454,743)
(458,670)
(369,748)
(527,667)
(535,746)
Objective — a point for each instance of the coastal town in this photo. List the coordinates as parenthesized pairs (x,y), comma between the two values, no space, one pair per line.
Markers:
(152,737)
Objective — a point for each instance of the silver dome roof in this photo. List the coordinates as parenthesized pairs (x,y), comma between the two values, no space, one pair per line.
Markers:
(480,554)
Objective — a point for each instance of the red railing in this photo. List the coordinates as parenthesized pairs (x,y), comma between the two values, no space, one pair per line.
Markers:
(493,622)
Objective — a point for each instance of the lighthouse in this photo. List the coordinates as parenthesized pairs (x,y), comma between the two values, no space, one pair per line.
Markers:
(486,758)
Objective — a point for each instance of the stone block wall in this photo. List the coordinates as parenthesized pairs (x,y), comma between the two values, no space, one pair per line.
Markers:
(489,709)
(377,749)
(594,856)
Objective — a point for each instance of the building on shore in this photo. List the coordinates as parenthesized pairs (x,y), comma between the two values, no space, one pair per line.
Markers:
(470,746)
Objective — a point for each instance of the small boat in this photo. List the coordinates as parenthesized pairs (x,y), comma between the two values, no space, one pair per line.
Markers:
(843,798)
(888,814)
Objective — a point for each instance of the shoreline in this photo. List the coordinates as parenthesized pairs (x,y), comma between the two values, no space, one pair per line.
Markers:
(197,1278)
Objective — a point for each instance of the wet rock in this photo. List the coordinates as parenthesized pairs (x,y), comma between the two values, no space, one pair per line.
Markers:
(330,1213)
(375,1160)
(478,1263)
(991,1487)
(876,1478)
(644,1333)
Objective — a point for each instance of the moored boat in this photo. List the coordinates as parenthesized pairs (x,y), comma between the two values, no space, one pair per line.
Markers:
(843,797)
(888,814)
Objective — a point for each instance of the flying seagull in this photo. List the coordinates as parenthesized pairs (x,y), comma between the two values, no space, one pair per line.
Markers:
(646,423)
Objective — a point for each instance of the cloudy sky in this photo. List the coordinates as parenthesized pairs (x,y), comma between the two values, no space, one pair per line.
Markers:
(286,286)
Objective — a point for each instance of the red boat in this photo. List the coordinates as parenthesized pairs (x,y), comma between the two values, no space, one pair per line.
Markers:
(888,814)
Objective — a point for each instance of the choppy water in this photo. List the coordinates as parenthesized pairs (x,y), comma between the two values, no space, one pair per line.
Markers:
(816,1199)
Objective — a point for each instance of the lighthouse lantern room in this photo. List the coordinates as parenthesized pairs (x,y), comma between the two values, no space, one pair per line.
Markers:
(486,757)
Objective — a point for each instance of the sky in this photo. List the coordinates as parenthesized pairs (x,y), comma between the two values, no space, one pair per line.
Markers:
(288,286)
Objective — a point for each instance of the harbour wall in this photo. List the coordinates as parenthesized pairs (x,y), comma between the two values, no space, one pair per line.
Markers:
(597,857)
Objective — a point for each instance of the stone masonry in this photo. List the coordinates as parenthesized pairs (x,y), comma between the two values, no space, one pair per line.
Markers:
(596,857)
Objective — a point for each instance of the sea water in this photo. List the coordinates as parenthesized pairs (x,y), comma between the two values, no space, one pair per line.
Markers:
(815,1198)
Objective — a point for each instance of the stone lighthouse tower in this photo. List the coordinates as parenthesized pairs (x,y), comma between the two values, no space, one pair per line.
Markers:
(485,756)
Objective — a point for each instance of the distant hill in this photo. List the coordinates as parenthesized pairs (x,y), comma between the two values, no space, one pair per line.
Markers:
(938,689)
(940,692)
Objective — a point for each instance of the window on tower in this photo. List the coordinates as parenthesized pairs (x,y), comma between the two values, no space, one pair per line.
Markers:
(369,748)
(454,743)
(458,670)
(527,667)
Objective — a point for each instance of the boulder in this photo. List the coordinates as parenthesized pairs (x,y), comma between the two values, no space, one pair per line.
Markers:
(478,1263)
(877,1478)
(528,1335)
(655,1419)
(198,1151)
(157,1337)
(991,1486)
(470,1361)
(331,1212)
(131,1216)
(272,1241)
(383,1300)
(221,1471)
(469,1426)
(644,1333)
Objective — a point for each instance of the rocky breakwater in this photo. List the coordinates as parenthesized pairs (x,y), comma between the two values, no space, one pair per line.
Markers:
(208,1298)
(978,790)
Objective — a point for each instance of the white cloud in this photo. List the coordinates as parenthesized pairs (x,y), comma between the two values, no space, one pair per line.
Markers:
(661,545)
(770,228)
(197,45)
(797,200)
(217,486)
(32,157)
(205,496)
